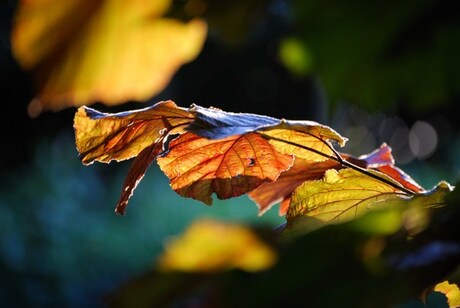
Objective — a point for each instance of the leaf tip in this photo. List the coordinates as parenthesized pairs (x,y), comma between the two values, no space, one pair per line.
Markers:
(120,209)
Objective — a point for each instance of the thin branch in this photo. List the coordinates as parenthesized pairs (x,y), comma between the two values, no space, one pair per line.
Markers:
(338,158)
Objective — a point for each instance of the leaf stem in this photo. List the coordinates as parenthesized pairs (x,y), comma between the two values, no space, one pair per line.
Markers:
(338,158)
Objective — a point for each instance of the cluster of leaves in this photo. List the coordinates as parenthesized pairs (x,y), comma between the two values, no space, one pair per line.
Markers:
(206,151)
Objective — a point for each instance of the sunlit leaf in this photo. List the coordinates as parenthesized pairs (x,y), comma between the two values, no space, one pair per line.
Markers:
(109,51)
(382,160)
(346,194)
(451,291)
(104,137)
(271,193)
(212,246)
(305,139)
(280,190)
(340,196)
(229,167)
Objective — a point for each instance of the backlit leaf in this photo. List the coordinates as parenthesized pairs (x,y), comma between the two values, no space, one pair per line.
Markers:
(229,167)
(382,160)
(280,190)
(346,194)
(451,291)
(305,139)
(214,123)
(104,137)
(109,51)
(213,246)
(340,196)
(271,193)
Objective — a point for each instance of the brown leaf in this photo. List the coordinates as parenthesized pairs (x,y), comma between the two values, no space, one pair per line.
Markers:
(136,173)
(110,51)
(229,167)
(104,137)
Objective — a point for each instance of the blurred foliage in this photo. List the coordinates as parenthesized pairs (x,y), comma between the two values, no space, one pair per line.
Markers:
(374,261)
(380,54)
(110,51)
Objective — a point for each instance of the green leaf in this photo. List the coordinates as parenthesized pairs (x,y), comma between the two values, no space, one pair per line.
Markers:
(347,194)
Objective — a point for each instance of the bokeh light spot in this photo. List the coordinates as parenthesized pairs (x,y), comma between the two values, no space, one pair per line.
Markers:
(423,139)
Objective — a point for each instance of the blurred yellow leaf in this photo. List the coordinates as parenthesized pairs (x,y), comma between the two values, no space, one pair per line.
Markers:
(451,291)
(111,51)
(210,246)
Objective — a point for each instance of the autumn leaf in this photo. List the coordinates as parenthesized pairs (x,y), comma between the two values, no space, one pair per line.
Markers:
(140,133)
(382,160)
(346,194)
(305,139)
(206,150)
(451,291)
(303,170)
(136,173)
(198,167)
(110,51)
(105,137)
(213,246)
(270,193)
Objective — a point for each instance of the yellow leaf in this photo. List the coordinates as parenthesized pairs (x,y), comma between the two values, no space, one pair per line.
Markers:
(111,51)
(305,139)
(105,137)
(211,246)
(342,195)
(346,194)
(451,291)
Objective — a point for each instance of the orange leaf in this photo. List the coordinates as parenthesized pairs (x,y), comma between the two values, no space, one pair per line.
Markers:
(280,190)
(104,137)
(110,51)
(229,167)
